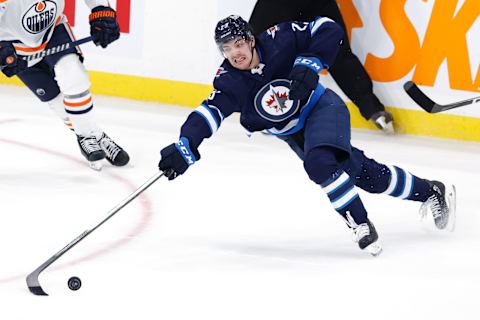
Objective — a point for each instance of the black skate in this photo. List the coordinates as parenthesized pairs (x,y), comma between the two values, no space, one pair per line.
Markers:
(91,151)
(442,205)
(384,121)
(113,152)
(365,235)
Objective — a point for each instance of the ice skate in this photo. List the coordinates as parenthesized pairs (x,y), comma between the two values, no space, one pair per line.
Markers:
(384,121)
(113,152)
(365,235)
(442,205)
(92,151)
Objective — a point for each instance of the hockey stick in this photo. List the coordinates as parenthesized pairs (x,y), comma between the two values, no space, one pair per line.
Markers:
(57,49)
(428,104)
(32,279)
(51,51)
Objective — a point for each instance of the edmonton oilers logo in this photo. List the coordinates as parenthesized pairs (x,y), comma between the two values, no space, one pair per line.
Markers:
(40,16)
(272,103)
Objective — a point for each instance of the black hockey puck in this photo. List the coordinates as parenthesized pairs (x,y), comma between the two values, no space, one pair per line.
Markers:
(74,283)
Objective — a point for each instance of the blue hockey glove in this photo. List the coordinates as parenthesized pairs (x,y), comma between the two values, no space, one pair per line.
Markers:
(304,76)
(104,27)
(177,157)
(10,63)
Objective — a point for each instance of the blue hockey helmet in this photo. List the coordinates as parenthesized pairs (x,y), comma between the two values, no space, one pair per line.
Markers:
(231,28)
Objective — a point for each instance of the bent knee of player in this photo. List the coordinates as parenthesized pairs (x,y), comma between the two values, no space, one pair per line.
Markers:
(71,75)
(374,177)
(321,164)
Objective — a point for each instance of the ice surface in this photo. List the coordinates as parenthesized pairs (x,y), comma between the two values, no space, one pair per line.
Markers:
(243,235)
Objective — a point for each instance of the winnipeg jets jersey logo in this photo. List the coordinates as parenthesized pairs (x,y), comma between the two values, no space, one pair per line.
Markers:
(40,16)
(272,103)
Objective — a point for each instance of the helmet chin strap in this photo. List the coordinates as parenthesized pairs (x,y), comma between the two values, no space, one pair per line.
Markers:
(251,61)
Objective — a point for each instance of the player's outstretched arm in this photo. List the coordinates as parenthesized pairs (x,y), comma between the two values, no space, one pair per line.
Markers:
(177,157)
(201,124)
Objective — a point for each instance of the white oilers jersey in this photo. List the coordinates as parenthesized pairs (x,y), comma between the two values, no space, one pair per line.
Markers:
(29,24)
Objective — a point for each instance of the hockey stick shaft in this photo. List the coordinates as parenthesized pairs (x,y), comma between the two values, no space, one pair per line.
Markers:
(54,50)
(57,49)
(428,104)
(32,279)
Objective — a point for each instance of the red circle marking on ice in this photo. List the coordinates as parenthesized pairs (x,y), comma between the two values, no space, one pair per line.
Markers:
(146,205)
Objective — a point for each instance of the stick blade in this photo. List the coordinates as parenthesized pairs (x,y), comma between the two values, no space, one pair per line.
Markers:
(38,291)
(420,98)
(34,285)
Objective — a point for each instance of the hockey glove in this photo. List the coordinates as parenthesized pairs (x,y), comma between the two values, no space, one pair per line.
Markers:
(104,27)
(10,63)
(177,157)
(304,76)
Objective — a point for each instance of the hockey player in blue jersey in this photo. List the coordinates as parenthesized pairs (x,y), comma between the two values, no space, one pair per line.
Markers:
(272,81)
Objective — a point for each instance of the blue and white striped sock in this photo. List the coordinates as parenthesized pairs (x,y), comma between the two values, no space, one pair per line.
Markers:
(344,197)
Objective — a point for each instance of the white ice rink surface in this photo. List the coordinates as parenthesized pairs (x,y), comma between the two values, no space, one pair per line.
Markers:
(243,235)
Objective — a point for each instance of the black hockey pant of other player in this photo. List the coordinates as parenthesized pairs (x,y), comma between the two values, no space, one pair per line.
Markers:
(347,70)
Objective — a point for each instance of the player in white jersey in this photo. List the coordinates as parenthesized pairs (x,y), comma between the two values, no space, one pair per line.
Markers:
(61,80)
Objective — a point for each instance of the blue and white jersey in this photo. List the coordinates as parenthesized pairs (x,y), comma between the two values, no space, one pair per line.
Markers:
(261,94)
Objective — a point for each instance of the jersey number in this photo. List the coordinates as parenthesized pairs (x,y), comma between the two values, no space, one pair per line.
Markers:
(296,27)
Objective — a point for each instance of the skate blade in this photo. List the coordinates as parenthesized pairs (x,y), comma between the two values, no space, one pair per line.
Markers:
(95,165)
(451,199)
(388,128)
(384,126)
(375,249)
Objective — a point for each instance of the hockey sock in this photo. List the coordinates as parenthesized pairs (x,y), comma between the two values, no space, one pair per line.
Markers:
(404,185)
(79,107)
(57,106)
(323,168)
(73,81)
(375,177)
(344,197)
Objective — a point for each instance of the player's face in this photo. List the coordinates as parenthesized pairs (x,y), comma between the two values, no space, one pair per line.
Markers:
(239,53)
